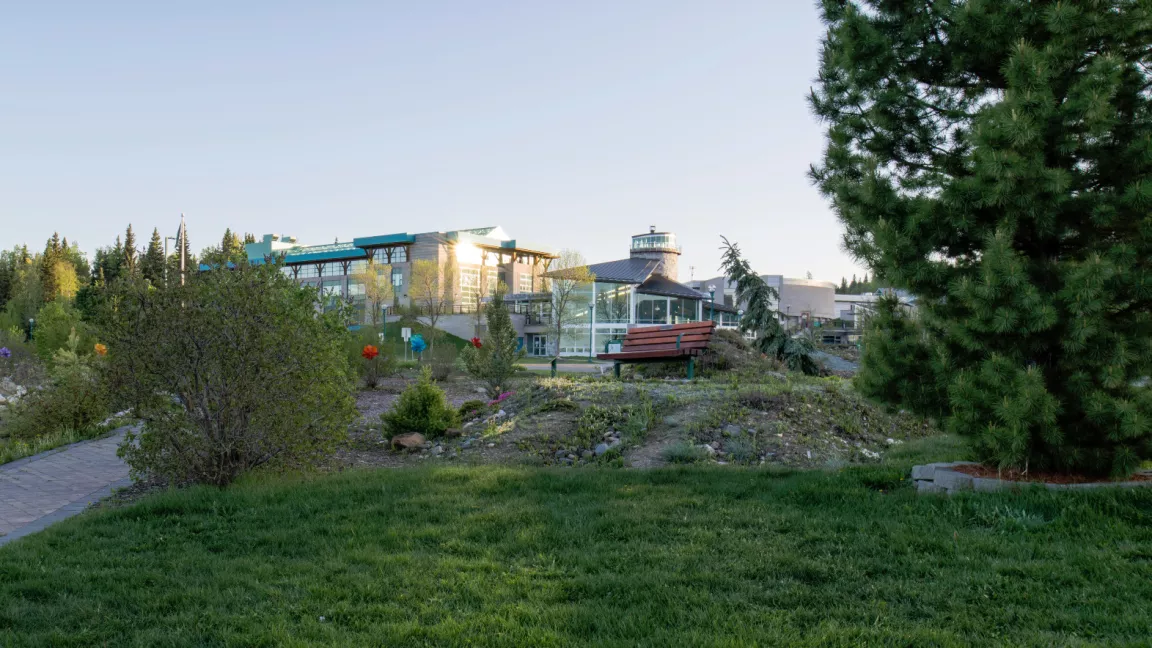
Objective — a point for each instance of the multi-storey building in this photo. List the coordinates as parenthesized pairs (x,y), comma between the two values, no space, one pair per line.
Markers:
(475,261)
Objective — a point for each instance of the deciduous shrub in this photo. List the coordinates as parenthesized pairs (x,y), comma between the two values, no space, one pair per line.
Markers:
(233,371)
(75,398)
(472,408)
(423,408)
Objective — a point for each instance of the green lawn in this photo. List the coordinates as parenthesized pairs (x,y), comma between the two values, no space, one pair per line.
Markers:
(453,556)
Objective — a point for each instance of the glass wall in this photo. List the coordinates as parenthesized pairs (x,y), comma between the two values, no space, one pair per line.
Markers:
(612,303)
(469,287)
(575,341)
(651,309)
(684,310)
(605,335)
(397,278)
(308,270)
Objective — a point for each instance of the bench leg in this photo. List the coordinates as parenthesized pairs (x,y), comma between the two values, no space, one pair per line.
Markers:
(691,367)
(616,369)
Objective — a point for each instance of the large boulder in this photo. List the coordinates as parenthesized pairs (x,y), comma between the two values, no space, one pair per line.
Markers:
(410,441)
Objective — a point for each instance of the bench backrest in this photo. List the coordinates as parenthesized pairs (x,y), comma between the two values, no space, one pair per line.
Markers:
(670,337)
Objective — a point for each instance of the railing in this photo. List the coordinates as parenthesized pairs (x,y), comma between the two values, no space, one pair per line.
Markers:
(537,319)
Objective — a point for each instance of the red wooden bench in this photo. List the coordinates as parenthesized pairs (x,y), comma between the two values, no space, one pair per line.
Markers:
(668,343)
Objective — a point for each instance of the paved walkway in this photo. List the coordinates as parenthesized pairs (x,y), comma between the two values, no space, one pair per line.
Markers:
(46,488)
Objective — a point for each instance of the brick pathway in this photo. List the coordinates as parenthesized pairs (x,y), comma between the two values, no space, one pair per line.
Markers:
(39,490)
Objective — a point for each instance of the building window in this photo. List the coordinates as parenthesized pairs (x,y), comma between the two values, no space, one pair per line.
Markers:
(684,310)
(525,285)
(286,271)
(359,265)
(469,287)
(332,269)
(575,341)
(400,254)
(308,270)
(397,277)
(651,309)
(612,303)
(492,279)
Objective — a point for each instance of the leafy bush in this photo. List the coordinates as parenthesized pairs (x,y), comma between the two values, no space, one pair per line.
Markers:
(75,399)
(370,370)
(22,365)
(472,409)
(56,322)
(233,371)
(423,408)
(493,359)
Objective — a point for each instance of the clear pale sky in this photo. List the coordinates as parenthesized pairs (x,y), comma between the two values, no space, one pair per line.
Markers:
(575,124)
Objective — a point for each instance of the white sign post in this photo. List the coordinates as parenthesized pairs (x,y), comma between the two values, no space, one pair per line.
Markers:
(406,334)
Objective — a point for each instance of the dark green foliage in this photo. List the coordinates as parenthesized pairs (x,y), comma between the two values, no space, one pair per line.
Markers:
(761,317)
(899,364)
(131,256)
(233,371)
(494,363)
(684,452)
(994,158)
(75,399)
(422,408)
(152,265)
(472,408)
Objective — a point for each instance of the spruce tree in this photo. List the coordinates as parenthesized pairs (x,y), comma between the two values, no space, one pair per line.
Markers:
(494,361)
(152,265)
(994,157)
(52,254)
(131,255)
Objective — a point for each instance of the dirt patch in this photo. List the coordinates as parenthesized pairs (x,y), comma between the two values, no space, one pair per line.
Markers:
(977,470)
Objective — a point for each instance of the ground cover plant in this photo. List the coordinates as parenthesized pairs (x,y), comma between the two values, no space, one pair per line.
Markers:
(503,556)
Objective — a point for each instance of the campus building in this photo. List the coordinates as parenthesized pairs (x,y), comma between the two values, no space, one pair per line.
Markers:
(640,290)
(471,263)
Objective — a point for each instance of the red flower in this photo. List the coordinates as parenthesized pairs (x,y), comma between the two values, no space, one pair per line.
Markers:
(476,342)
(370,352)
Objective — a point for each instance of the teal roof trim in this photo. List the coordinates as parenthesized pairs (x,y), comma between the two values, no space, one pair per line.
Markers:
(332,252)
(385,239)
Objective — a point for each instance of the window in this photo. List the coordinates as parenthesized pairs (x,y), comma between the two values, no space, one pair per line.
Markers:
(397,277)
(651,309)
(575,341)
(612,303)
(492,280)
(332,269)
(400,254)
(525,284)
(469,287)
(684,310)
(606,335)
(308,270)
(359,265)
(287,271)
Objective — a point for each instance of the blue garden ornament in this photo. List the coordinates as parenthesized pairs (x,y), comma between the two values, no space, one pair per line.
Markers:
(418,343)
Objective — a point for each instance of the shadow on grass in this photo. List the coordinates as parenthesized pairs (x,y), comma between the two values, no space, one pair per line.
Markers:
(567,557)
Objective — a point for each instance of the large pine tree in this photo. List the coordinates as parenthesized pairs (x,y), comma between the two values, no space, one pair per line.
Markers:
(994,157)
(152,265)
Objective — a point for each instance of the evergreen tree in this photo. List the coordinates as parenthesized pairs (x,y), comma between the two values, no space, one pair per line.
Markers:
(494,361)
(48,271)
(761,317)
(131,255)
(152,265)
(249,238)
(843,290)
(992,157)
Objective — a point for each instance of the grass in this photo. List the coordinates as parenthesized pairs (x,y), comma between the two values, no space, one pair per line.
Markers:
(502,556)
(13,449)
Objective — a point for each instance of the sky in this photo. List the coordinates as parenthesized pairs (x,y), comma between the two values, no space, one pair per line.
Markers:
(573,124)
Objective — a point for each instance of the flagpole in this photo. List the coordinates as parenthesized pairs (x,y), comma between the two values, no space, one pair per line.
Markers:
(183,246)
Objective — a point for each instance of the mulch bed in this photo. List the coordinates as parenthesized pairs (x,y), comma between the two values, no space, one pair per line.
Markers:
(977,470)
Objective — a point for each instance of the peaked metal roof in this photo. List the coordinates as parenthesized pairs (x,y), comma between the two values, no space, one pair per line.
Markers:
(633,271)
(665,287)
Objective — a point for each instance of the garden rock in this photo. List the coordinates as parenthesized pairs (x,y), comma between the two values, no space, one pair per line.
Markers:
(587,453)
(732,431)
(409,441)
(438,450)
(709,449)
(601,449)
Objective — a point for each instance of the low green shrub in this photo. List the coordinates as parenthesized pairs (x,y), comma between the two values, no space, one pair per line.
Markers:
(473,408)
(76,397)
(684,452)
(423,408)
